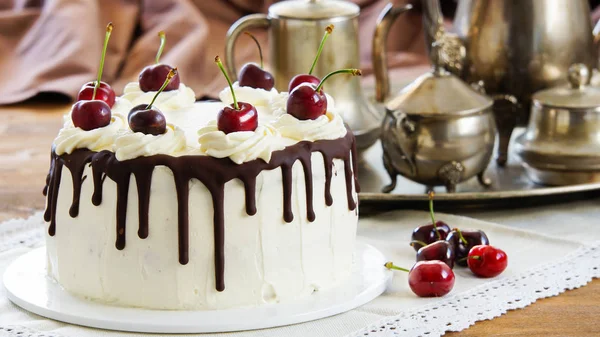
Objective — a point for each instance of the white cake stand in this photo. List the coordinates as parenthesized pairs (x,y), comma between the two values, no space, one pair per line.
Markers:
(30,288)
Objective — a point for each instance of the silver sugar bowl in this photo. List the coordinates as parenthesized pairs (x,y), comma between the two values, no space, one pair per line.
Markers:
(561,145)
(438,131)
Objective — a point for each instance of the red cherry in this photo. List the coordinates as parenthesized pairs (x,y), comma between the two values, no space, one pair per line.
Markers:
(153,76)
(104,93)
(303,78)
(431,279)
(90,115)
(230,119)
(253,76)
(440,250)
(487,261)
(305,102)
(146,120)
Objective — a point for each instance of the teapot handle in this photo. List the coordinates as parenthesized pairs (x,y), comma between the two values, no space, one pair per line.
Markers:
(379,48)
(244,23)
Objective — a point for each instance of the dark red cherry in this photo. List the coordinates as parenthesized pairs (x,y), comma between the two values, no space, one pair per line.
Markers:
(428,234)
(90,115)
(153,76)
(148,121)
(254,76)
(462,247)
(438,251)
(251,75)
(303,78)
(436,230)
(308,101)
(230,119)
(305,102)
(104,93)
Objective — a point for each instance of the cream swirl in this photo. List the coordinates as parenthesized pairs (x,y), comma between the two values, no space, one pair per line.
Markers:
(254,96)
(240,146)
(131,145)
(183,97)
(328,126)
(71,138)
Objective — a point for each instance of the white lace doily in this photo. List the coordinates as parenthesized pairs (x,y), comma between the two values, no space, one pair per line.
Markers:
(452,313)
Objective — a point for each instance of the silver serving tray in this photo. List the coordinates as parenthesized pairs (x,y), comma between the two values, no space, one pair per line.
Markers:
(510,188)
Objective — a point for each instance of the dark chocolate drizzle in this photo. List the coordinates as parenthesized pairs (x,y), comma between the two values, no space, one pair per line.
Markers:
(214,173)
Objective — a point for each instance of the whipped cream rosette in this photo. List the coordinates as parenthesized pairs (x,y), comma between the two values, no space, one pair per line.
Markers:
(240,146)
(255,96)
(329,126)
(131,145)
(172,100)
(71,138)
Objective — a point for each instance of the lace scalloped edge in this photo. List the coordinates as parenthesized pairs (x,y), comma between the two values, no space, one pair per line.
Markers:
(22,232)
(454,313)
(492,299)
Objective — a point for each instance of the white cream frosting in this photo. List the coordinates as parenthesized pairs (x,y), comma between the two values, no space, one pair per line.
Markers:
(131,145)
(181,98)
(254,96)
(328,126)
(71,138)
(240,146)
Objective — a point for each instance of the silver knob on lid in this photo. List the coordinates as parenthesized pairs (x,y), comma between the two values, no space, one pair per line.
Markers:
(578,75)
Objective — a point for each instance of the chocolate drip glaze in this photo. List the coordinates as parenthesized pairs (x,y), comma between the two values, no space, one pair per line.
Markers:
(214,173)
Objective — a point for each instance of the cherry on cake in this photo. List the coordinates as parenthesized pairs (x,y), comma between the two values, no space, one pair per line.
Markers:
(208,206)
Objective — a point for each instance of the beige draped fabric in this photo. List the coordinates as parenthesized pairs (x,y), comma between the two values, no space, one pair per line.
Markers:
(55,45)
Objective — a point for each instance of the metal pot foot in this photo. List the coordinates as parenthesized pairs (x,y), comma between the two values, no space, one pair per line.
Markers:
(451,174)
(483,180)
(392,173)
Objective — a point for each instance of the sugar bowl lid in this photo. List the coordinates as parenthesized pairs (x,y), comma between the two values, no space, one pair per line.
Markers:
(577,95)
(438,93)
(313,9)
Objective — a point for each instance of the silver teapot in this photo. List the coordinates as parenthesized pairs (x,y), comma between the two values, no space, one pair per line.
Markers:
(295,30)
(438,131)
(513,48)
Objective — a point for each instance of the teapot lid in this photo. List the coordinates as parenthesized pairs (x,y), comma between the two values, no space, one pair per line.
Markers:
(313,9)
(577,94)
(439,93)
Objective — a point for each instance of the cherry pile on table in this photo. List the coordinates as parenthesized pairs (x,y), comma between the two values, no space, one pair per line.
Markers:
(439,248)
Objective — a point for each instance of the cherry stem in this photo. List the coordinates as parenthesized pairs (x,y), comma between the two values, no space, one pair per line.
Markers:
(109,29)
(417,242)
(328,31)
(259,48)
(353,72)
(220,64)
(170,76)
(475,257)
(462,238)
(431,195)
(163,41)
(390,265)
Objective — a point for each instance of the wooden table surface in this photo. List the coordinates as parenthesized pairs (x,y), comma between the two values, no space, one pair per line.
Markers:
(27,130)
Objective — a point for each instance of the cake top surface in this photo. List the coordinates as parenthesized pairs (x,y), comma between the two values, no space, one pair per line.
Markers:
(192,126)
